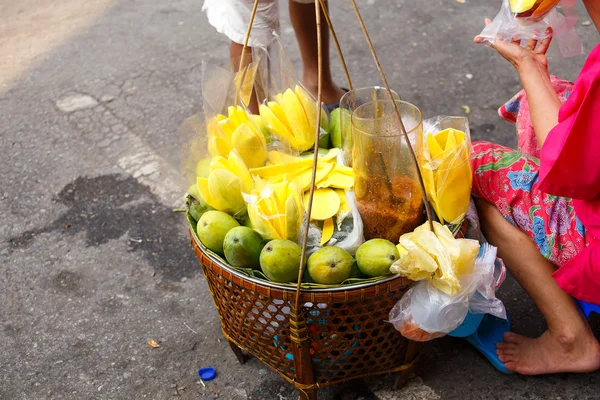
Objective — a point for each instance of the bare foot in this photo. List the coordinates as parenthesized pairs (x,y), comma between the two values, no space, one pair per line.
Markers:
(550,353)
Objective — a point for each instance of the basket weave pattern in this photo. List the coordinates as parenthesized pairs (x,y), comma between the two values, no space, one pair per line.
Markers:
(346,330)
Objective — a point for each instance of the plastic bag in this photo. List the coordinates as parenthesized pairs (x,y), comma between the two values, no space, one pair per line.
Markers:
(527,19)
(425,313)
(437,257)
(347,230)
(288,110)
(446,167)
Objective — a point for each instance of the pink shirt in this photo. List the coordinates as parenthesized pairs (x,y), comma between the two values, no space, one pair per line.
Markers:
(570,167)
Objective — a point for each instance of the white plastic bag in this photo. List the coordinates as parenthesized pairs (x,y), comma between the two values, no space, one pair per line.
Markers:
(508,26)
(425,313)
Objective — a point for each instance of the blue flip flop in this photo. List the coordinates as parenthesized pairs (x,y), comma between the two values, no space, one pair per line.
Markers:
(484,332)
(588,308)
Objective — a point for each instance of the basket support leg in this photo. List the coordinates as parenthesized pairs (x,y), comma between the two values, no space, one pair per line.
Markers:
(412,351)
(242,358)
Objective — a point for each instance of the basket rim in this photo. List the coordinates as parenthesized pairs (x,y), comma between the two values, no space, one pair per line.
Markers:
(274,285)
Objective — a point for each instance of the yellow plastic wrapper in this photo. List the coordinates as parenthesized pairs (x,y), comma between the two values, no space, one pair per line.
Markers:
(446,167)
(436,256)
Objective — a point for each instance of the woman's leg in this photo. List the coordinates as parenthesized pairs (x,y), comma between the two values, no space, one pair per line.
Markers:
(304,22)
(568,345)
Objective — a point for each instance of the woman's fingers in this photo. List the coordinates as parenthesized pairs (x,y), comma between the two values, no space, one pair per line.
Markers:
(479,39)
(545,44)
(531,44)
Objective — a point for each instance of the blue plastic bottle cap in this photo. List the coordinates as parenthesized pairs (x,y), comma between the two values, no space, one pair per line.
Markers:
(207,374)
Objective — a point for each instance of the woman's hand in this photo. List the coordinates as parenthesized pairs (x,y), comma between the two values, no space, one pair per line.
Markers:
(532,65)
(532,55)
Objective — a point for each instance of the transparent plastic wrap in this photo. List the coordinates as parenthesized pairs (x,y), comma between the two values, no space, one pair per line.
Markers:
(446,167)
(425,313)
(287,110)
(345,230)
(436,256)
(530,19)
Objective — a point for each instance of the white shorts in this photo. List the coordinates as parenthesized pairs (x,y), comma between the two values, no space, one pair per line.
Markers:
(231,17)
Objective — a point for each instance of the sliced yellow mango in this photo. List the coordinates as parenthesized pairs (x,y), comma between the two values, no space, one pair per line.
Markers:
(295,167)
(308,104)
(279,157)
(303,179)
(225,186)
(217,146)
(238,167)
(218,162)
(520,6)
(226,127)
(434,146)
(249,145)
(337,180)
(297,120)
(293,217)
(326,204)
(401,250)
(328,229)
(215,203)
(279,112)
(276,126)
(331,156)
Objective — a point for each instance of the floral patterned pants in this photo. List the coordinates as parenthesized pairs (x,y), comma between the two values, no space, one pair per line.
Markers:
(508,179)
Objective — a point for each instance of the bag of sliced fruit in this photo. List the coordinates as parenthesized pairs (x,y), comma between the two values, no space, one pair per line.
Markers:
(524,20)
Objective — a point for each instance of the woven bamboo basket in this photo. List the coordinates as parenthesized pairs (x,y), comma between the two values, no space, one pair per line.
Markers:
(314,337)
(342,332)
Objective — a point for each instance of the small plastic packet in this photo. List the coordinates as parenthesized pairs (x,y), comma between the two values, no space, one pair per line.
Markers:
(425,312)
(530,19)
(446,167)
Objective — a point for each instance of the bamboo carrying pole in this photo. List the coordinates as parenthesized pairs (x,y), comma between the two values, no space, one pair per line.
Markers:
(305,379)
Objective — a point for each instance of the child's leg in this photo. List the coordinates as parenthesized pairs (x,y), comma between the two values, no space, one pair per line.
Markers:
(302,14)
(568,345)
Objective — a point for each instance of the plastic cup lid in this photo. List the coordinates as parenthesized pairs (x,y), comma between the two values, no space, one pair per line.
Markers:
(207,374)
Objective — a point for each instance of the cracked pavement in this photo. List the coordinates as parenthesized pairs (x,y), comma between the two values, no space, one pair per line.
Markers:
(94,263)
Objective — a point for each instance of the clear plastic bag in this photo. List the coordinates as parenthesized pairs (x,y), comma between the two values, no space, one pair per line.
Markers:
(518,20)
(446,166)
(288,110)
(425,313)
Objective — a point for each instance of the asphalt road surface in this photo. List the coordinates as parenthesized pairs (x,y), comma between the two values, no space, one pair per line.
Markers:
(94,263)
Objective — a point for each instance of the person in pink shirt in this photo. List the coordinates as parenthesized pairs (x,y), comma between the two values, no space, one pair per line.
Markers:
(543,213)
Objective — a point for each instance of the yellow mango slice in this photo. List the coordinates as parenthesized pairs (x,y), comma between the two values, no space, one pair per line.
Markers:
(276,126)
(277,109)
(225,187)
(344,206)
(293,218)
(401,250)
(215,203)
(279,157)
(337,180)
(261,225)
(331,156)
(249,145)
(226,127)
(342,169)
(435,149)
(328,229)
(238,167)
(303,179)
(297,120)
(217,146)
(326,204)
(309,105)
(218,162)
(520,6)
(295,167)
